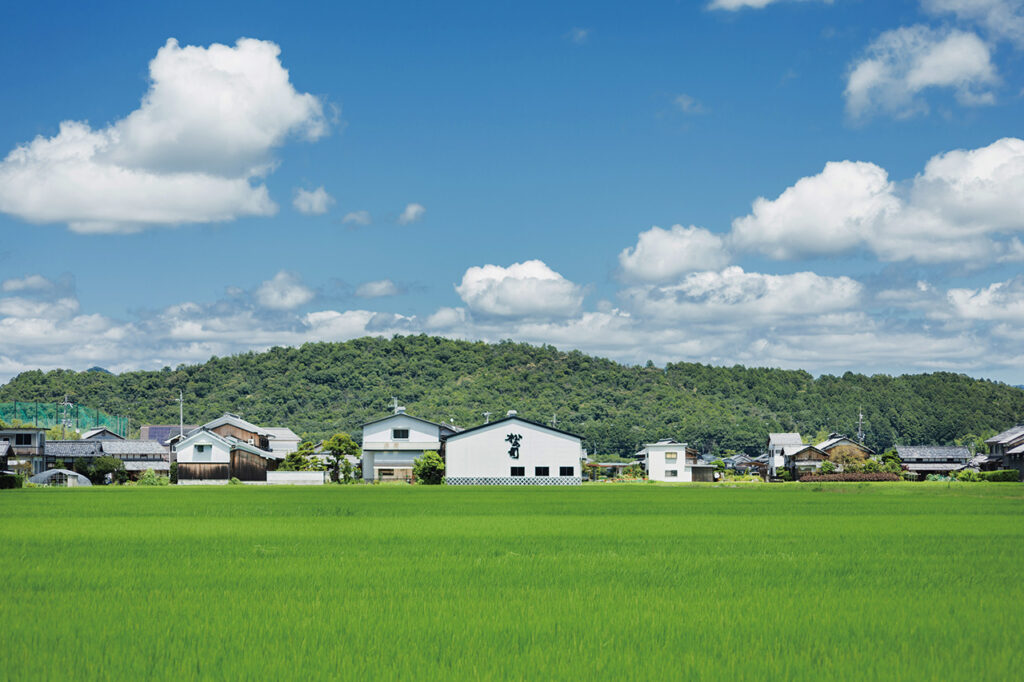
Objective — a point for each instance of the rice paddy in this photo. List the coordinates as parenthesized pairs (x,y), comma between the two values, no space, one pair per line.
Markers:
(834,581)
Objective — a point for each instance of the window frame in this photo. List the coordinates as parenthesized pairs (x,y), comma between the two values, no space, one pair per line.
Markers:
(672,456)
(562,470)
(671,473)
(537,472)
(395,432)
(518,472)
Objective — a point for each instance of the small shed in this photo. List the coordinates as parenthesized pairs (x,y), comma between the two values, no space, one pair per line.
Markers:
(60,478)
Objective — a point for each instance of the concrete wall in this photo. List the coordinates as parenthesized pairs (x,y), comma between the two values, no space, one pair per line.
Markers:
(296,477)
(483,455)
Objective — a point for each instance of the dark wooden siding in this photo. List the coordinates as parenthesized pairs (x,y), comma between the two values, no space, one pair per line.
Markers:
(246,466)
(198,471)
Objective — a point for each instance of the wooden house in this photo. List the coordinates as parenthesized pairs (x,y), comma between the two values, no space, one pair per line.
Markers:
(1008,447)
(933,459)
(208,457)
(803,459)
(838,447)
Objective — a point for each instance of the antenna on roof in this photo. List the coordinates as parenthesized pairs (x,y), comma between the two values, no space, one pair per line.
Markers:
(554,419)
(860,425)
(394,404)
(181,413)
(487,417)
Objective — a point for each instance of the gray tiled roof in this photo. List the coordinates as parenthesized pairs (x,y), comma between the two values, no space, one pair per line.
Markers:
(4,447)
(785,438)
(935,466)
(1008,436)
(158,465)
(122,448)
(912,452)
(74,448)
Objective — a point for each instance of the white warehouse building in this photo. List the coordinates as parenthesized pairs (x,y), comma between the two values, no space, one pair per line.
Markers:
(513,451)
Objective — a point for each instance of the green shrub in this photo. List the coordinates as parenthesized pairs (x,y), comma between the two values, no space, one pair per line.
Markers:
(429,468)
(234,481)
(909,476)
(847,476)
(1001,476)
(784,474)
(10,481)
(149,477)
(969,475)
(107,465)
(871,467)
(827,468)
(174,473)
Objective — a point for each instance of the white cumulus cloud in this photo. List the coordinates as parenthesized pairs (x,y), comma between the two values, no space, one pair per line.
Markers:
(27,283)
(530,288)
(357,218)
(733,5)
(312,202)
(284,291)
(1001,18)
(661,255)
(901,64)
(190,153)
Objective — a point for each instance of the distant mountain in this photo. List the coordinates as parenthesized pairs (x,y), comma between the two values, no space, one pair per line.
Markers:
(99,369)
(322,388)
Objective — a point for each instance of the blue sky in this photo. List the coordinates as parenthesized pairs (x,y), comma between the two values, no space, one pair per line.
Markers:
(845,178)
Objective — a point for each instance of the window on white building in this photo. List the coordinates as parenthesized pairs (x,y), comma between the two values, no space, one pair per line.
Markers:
(399,434)
(671,473)
(541,471)
(566,471)
(23,439)
(518,471)
(671,456)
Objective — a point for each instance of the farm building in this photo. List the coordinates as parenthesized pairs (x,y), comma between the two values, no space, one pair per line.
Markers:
(668,460)
(1008,446)
(513,451)
(933,459)
(60,478)
(207,457)
(777,443)
(391,444)
(838,445)
(802,459)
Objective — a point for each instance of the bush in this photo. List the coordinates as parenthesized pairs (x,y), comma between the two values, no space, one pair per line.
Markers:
(174,473)
(429,468)
(969,475)
(849,477)
(909,476)
(234,481)
(1001,476)
(784,474)
(149,477)
(872,467)
(11,481)
(107,465)
(827,468)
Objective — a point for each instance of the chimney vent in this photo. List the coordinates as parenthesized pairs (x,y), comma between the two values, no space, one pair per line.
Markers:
(511,413)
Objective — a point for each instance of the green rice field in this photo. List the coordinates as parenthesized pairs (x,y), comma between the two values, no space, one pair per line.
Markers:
(789,581)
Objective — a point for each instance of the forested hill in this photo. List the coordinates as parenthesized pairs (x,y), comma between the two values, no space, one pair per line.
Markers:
(321,388)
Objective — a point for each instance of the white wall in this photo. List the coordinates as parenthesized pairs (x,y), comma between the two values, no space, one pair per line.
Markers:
(423,436)
(216,451)
(484,453)
(657,464)
(295,477)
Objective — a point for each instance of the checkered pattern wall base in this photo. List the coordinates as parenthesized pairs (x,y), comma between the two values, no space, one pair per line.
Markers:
(513,480)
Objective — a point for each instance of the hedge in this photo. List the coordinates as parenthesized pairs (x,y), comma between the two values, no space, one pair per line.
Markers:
(1003,475)
(8,481)
(881,476)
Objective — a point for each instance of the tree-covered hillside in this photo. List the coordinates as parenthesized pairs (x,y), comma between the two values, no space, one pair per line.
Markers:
(321,388)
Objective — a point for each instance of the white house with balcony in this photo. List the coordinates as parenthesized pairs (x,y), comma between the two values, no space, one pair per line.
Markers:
(513,451)
(391,444)
(673,462)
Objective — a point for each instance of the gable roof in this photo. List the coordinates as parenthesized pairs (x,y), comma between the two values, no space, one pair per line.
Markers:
(835,439)
(513,418)
(133,447)
(281,433)
(73,448)
(441,425)
(1007,436)
(237,422)
(795,451)
(93,433)
(229,442)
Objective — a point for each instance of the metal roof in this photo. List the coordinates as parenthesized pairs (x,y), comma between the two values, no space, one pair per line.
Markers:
(513,418)
(933,452)
(44,477)
(441,425)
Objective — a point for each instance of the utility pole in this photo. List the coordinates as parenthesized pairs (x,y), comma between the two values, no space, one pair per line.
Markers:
(181,413)
(487,417)
(64,415)
(860,425)
(554,420)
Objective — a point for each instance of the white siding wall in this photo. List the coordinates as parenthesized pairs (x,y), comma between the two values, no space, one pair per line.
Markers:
(215,452)
(484,454)
(381,450)
(657,465)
